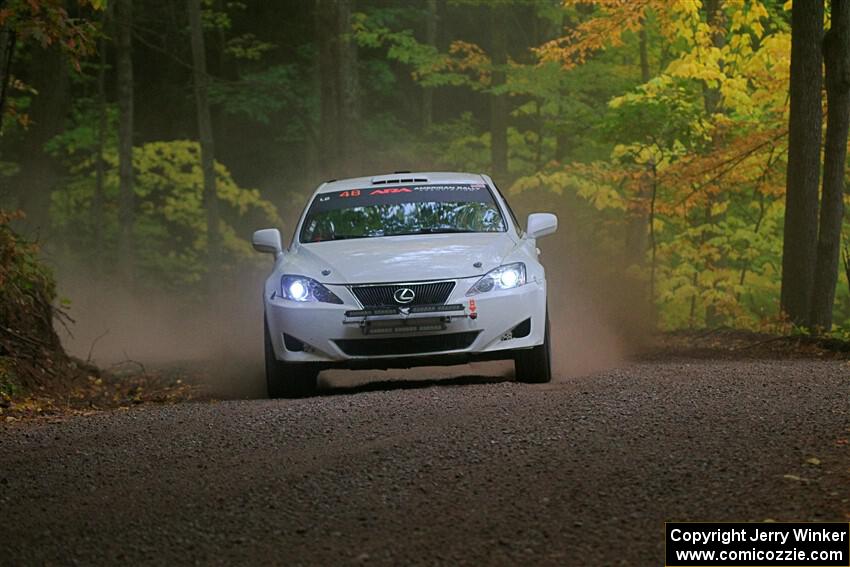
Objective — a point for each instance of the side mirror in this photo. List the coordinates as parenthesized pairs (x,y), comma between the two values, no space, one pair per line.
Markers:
(267,241)
(541,224)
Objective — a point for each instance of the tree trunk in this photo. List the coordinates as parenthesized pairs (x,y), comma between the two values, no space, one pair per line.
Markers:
(715,18)
(349,90)
(836,51)
(326,21)
(221,66)
(205,133)
(7,51)
(562,137)
(100,166)
(315,169)
(638,225)
(498,102)
(644,54)
(340,91)
(39,172)
(804,140)
(124,68)
(431,40)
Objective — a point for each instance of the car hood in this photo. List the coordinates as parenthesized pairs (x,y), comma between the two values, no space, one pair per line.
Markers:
(400,258)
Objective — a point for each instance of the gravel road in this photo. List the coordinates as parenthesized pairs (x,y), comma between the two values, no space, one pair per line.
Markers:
(475,470)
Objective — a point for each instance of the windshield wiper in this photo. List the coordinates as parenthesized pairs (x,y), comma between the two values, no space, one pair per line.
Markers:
(433,231)
(345,236)
(447,230)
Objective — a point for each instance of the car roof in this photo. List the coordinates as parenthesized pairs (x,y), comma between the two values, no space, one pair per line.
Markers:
(420,177)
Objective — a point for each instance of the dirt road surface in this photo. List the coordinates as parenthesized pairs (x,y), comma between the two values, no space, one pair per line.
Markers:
(475,470)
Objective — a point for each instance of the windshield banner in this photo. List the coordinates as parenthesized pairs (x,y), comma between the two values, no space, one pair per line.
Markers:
(350,198)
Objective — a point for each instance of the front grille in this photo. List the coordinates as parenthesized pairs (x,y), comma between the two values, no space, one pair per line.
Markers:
(407,345)
(435,293)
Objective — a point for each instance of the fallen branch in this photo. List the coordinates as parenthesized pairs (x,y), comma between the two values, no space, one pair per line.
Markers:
(759,343)
(128,360)
(93,343)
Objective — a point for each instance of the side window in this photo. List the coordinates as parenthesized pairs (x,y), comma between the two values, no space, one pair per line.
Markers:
(517,226)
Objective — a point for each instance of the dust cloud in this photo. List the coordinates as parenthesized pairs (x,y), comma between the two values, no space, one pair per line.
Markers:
(219,346)
(599,312)
(597,319)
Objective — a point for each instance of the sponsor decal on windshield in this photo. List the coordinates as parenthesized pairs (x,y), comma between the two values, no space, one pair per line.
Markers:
(391,191)
(365,197)
(350,193)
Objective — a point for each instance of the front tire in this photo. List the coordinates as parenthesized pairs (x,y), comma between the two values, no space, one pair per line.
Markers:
(534,365)
(287,380)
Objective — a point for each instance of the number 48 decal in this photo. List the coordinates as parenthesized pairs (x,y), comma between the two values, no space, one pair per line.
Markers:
(352,193)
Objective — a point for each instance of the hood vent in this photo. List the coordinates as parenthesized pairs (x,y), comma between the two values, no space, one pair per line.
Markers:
(395,178)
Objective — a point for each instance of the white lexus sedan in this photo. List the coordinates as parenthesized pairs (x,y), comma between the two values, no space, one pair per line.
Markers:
(405,270)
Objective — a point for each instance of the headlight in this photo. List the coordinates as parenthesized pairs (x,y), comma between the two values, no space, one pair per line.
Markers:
(503,277)
(299,288)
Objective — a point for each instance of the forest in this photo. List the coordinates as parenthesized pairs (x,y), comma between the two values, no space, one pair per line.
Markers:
(177,389)
(682,141)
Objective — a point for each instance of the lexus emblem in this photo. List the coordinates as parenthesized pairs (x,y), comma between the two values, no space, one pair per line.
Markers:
(404,295)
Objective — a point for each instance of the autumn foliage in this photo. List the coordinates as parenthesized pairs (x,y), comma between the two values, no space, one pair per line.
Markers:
(657,128)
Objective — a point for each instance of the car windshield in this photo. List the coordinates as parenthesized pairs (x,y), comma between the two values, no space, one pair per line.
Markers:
(397,211)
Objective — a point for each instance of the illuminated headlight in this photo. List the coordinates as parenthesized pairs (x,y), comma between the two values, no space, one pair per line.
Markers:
(504,277)
(297,290)
(300,288)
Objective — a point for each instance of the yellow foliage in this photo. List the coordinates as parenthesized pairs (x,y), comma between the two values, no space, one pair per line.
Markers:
(711,168)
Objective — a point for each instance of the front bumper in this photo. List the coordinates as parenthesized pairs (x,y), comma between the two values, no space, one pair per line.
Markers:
(336,335)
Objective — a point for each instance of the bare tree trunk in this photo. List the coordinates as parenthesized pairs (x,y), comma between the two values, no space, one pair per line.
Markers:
(39,172)
(542,31)
(563,132)
(715,19)
(431,40)
(205,133)
(804,140)
(711,102)
(644,54)
(637,227)
(498,102)
(315,167)
(562,141)
(349,89)
(124,67)
(836,50)
(653,244)
(339,89)
(7,51)
(326,19)
(98,199)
